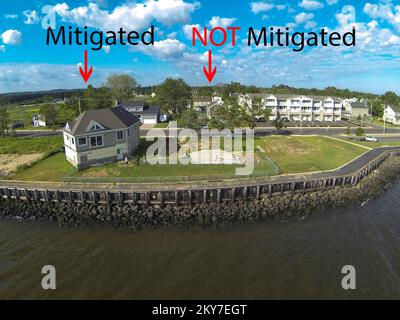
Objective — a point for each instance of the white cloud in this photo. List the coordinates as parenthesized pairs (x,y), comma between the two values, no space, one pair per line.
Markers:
(32,17)
(131,16)
(257,7)
(107,49)
(310,25)
(384,11)
(10,16)
(303,17)
(187,30)
(168,49)
(331,2)
(2,48)
(221,22)
(311,4)
(11,37)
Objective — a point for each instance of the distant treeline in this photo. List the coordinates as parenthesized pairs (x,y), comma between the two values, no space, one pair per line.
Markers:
(235,87)
(37,96)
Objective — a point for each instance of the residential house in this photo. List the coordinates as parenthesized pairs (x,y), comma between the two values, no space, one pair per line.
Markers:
(38,120)
(201,102)
(207,105)
(101,136)
(353,109)
(247,100)
(392,114)
(146,113)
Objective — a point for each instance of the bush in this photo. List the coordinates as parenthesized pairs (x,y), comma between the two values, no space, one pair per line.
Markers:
(360,132)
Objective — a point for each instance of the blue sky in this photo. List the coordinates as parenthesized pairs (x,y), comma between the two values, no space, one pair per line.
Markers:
(26,63)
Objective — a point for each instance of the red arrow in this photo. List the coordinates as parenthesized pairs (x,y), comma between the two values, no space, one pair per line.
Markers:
(209,73)
(86,74)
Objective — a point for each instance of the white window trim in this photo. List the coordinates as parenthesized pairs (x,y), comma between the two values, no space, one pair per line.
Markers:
(82,145)
(93,123)
(97,135)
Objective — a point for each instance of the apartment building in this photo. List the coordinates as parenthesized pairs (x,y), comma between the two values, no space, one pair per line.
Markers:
(298,107)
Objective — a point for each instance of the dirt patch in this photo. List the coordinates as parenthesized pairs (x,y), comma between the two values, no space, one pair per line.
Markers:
(289,147)
(10,162)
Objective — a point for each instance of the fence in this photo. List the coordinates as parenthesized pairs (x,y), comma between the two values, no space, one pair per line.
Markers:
(190,195)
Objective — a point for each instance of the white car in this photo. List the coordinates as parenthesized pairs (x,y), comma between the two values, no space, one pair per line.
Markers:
(371,139)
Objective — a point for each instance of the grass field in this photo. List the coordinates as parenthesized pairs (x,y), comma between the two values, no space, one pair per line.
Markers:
(52,168)
(9,145)
(308,154)
(292,154)
(23,113)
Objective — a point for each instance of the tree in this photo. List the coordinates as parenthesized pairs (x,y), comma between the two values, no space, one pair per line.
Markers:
(66,113)
(49,112)
(360,132)
(377,108)
(96,98)
(173,95)
(390,98)
(278,124)
(121,86)
(190,118)
(4,121)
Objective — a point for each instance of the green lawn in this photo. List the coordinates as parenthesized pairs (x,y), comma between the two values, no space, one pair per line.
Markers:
(308,154)
(162,125)
(292,154)
(29,145)
(23,113)
(52,168)
(380,122)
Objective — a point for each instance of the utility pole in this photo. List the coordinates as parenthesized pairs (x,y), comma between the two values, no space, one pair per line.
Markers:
(79,106)
(384,119)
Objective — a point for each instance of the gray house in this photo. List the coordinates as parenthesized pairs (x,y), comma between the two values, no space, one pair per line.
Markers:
(101,136)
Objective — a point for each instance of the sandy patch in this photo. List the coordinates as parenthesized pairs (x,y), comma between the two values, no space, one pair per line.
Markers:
(10,162)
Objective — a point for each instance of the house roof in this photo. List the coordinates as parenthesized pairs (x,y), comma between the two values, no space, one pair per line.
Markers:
(110,119)
(201,99)
(133,103)
(358,105)
(291,96)
(151,110)
(395,108)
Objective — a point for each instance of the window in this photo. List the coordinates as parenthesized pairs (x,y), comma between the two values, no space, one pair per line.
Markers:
(120,135)
(95,127)
(73,141)
(82,141)
(96,141)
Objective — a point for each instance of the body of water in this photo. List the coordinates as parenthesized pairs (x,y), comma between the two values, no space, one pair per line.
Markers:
(296,259)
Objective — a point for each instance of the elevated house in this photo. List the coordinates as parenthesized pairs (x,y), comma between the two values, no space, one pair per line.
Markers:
(392,114)
(101,136)
(146,113)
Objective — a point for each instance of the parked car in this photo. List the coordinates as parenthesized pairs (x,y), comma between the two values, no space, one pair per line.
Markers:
(17,125)
(371,139)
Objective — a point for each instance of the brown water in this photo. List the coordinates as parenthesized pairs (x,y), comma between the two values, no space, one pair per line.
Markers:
(298,259)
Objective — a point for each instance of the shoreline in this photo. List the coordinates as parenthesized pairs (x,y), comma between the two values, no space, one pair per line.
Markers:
(289,205)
